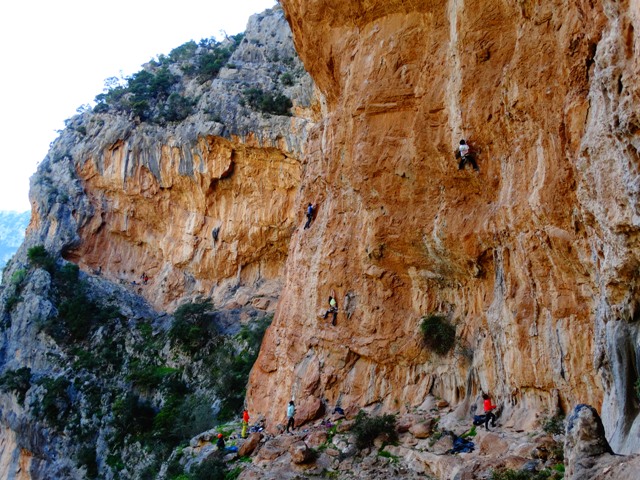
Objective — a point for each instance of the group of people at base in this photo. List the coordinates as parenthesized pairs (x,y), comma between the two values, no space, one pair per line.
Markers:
(460,445)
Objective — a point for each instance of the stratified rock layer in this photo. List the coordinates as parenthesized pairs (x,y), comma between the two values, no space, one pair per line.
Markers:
(534,258)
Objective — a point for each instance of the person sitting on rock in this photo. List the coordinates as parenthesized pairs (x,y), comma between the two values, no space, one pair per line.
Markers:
(488,414)
(466,156)
(220,443)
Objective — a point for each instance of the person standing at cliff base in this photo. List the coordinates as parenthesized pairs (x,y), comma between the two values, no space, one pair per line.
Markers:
(464,152)
(291,411)
(488,413)
(245,423)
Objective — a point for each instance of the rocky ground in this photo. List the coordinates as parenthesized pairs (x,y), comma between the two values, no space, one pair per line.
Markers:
(423,450)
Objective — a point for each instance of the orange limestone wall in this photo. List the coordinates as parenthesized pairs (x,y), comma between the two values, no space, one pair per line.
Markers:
(534,258)
(208,223)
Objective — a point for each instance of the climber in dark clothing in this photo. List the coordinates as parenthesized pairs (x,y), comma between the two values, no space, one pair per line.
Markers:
(220,443)
(465,155)
(333,308)
(309,216)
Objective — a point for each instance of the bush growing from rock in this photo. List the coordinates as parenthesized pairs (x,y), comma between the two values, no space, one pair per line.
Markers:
(268,102)
(554,425)
(55,402)
(39,257)
(510,474)
(367,428)
(213,468)
(17,381)
(438,333)
(191,327)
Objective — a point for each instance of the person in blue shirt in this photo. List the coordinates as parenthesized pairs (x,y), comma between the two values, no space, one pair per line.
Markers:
(291,411)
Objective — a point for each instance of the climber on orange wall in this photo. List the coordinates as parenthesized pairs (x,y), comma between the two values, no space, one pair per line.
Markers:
(310,210)
(466,156)
(333,308)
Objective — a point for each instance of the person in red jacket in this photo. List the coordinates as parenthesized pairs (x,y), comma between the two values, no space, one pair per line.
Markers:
(245,422)
(488,413)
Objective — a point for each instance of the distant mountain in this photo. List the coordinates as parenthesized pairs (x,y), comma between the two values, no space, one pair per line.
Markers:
(12,228)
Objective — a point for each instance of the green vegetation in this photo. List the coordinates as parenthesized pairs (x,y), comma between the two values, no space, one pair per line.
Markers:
(156,93)
(438,333)
(56,402)
(213,468)
(367,428)
(470,433)
(40,258)
(11,302)
(232,365)
(77,312)
(636,388)
(554,425)
(268,102)
(16,381)
(18,276)
(385,454)
(86,458)
(286,79)
(192,326)
(510,474)
(145,385)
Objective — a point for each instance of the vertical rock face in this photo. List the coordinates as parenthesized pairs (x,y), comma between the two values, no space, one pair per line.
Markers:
(204,206)
(534,258)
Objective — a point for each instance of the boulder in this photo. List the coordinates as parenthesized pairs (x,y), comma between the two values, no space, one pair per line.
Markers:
(317,438)
(404,423)
(345,426)
(422,429)
(275,447)
(300,453)
(443,445)
(309,409)
(250,444)
(491,444)
(585,442)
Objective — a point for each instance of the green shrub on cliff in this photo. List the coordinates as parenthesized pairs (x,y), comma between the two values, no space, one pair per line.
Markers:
(56,401)
(438,333)
(274,103)
(510,474)
(17,381)
(39,257)
(192,326)
(232,363)
(368,428)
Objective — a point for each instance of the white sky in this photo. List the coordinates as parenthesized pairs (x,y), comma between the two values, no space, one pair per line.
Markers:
(56,55)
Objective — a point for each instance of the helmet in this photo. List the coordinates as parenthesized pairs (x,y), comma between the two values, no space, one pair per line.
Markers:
(463,142)
(219,435)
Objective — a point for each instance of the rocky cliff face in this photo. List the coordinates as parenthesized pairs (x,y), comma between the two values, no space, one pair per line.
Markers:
(188,174)
(534,258)
(203,206)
